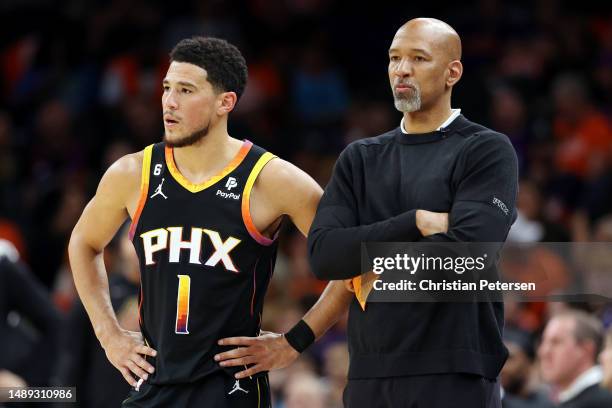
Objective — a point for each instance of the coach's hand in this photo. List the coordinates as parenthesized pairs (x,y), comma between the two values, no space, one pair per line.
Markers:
(269,351)
(429,222)
(125,351)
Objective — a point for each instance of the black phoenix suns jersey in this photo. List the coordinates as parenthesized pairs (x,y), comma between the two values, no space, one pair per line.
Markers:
(204,266)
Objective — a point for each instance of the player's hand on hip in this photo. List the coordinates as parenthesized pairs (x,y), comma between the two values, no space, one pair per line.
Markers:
(269,351)
(429,222)
(125,350)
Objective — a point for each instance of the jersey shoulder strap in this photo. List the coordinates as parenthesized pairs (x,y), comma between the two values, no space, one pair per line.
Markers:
(260,159)
(144,187)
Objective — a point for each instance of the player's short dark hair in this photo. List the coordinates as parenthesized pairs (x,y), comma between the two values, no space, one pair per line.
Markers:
(223,62)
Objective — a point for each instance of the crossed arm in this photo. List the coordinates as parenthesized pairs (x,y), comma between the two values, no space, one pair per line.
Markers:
(488,176)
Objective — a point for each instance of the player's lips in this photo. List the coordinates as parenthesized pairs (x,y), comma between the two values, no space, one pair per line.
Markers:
(170,121)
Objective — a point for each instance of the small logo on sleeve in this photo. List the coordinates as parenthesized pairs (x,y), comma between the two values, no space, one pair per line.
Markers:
(501,205)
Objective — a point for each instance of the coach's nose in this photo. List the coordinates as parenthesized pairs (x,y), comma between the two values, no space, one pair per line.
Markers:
(403,68)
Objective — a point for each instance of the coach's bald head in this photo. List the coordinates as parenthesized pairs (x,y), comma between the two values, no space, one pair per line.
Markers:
(442,36)
(424,64)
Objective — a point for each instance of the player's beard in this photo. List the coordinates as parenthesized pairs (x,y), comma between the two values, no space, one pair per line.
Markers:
(410,102)
(189,140)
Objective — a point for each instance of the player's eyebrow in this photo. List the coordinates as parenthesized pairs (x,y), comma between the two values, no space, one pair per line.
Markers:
(182,83)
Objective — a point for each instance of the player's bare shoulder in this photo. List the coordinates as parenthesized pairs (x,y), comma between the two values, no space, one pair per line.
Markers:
(285,185)
(121,182)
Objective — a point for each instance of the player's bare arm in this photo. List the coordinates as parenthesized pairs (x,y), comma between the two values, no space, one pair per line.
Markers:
(116,197)
(284,190)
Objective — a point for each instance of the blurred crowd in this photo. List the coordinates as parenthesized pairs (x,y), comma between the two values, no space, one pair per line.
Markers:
(80,86)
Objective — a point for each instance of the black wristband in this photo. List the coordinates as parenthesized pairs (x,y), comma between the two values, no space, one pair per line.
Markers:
(300,336)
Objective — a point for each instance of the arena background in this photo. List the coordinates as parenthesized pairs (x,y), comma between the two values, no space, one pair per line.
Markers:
(80,86)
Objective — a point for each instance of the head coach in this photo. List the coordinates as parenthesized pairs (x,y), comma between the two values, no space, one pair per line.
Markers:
(437,177)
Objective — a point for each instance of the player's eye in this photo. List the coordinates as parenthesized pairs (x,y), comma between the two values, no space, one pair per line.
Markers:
(418,58)
(394,58)
(187,91)
(166,88)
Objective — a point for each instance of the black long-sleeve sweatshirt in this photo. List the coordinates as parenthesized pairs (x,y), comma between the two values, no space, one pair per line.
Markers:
(378,184)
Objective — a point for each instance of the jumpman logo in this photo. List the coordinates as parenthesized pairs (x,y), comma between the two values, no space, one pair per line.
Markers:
(158,190)
(237,388)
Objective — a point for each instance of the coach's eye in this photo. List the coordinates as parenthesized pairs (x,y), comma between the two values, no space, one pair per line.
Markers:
(166,88)
(394,58)
(187,91)
(418,58)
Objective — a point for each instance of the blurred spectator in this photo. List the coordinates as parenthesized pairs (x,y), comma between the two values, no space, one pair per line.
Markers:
(10,168)
(10,231)
(279,379)
(605,358)
(517,374)
(584,133)
(335,371)
(304,391)
(29,322)
(58,211)
(595,259)
(509,116)
(54,145)
(83,362)
(570,345)
(366,118)
(320,94)
(530,224)
(141,121)
(603,230)
(584,137)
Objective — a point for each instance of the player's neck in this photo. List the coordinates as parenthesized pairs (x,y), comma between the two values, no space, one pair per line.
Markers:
(209,156)
(427,120)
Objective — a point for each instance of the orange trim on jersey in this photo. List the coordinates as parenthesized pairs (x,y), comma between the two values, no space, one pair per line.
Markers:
(193,187)
(140,305)
(254,286)
(144,187)
(246,200)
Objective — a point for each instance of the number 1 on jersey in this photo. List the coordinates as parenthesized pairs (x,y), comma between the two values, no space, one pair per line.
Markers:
(182,304)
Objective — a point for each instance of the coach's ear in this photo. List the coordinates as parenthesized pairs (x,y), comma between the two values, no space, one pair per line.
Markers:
(453,73)
(227,101)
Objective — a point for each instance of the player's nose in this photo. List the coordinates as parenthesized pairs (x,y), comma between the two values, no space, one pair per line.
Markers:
(169,101)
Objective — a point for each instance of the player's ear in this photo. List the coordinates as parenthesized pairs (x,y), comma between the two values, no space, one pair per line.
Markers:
(227,101)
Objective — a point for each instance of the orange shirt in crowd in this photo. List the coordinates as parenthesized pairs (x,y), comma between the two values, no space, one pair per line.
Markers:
(588,139)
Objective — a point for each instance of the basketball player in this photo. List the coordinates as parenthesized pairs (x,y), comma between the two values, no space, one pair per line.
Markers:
(434,355)
(205,210)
